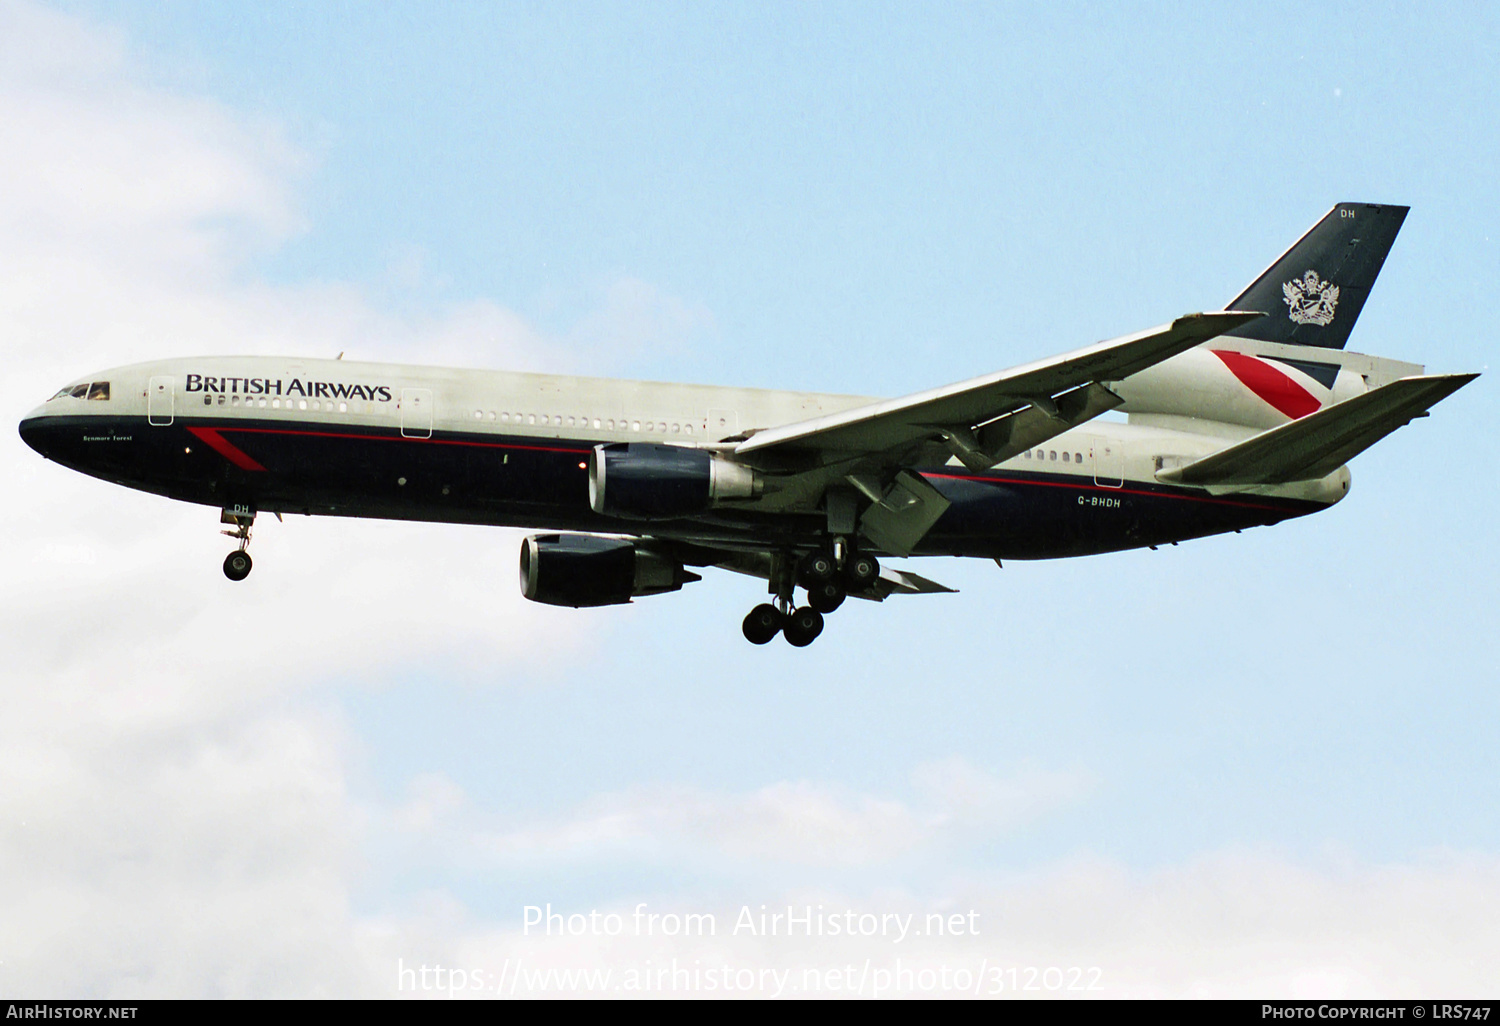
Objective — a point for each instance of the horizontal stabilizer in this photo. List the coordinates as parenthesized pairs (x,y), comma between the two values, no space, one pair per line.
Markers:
(1320,443)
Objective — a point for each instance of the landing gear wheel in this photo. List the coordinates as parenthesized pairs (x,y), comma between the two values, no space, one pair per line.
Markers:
(237,565)
(815,568)
(803,626)
(825,597)
(763,624)
(861,571)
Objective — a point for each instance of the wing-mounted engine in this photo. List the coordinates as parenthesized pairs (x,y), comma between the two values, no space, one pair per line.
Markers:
(585,570)
(649,482)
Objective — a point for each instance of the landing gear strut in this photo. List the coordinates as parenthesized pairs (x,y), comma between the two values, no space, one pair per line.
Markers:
(800,626)
(828,575)
(237,564)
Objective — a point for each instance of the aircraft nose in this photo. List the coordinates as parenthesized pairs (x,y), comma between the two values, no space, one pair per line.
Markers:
(36,431)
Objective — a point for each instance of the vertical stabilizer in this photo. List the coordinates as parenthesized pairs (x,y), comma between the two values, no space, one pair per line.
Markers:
(1313,294)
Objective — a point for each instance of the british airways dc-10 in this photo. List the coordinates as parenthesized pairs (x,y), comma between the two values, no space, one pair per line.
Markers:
(1236,419)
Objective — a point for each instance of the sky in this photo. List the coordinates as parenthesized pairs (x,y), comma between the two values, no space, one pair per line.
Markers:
(1261,765)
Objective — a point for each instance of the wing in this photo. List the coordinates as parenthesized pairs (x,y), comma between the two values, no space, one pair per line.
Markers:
(1320,443)
(989,419)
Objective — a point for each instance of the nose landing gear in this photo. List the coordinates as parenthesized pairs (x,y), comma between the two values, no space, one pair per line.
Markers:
(238,563)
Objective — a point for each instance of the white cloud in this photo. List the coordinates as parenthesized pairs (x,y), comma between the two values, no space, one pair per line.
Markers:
(1228,924)
(790,822)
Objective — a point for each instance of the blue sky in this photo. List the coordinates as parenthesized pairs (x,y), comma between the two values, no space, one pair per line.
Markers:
(862,198)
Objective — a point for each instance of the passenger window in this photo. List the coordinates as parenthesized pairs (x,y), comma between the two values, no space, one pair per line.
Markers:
(301,404)
(99,390)
(1065,458)
(1078,457)
(531,419)
(343,407)
(635,425)
(1054,455)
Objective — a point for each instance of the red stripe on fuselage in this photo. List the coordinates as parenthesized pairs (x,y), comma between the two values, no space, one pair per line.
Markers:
(1270,384)
(217,442)
(1083,486)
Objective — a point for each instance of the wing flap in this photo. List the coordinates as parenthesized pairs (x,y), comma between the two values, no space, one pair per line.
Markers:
(1318,444)
(897,423)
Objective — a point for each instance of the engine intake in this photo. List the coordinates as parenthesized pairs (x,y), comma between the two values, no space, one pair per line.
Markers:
(586,570)
(645,481)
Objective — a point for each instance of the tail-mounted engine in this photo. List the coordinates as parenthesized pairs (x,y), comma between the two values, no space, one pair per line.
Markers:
(645,482)
(586,570)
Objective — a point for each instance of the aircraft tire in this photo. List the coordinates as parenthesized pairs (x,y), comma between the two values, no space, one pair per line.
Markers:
(803,626)
(862,571)
(237,565)
(815,568)
(762,624)
(826,597)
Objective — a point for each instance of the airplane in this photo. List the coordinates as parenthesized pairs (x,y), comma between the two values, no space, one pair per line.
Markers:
(1234,419)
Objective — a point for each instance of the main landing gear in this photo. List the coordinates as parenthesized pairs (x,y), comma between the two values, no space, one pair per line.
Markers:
(826,575)
(237,564)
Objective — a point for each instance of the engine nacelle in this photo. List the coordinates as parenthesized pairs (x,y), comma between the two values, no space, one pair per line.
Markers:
(585,570)
(646,481)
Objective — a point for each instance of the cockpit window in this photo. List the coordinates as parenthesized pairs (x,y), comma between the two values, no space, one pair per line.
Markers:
(97,390)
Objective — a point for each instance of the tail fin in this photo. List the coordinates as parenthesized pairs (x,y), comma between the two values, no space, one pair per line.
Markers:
(1315,291)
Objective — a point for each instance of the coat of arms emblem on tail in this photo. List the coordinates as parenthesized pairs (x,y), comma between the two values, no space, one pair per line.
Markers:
(1310,300)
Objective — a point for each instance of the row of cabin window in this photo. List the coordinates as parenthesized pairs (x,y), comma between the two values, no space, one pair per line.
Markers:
(1043,454)
(275,403)
(599,423)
